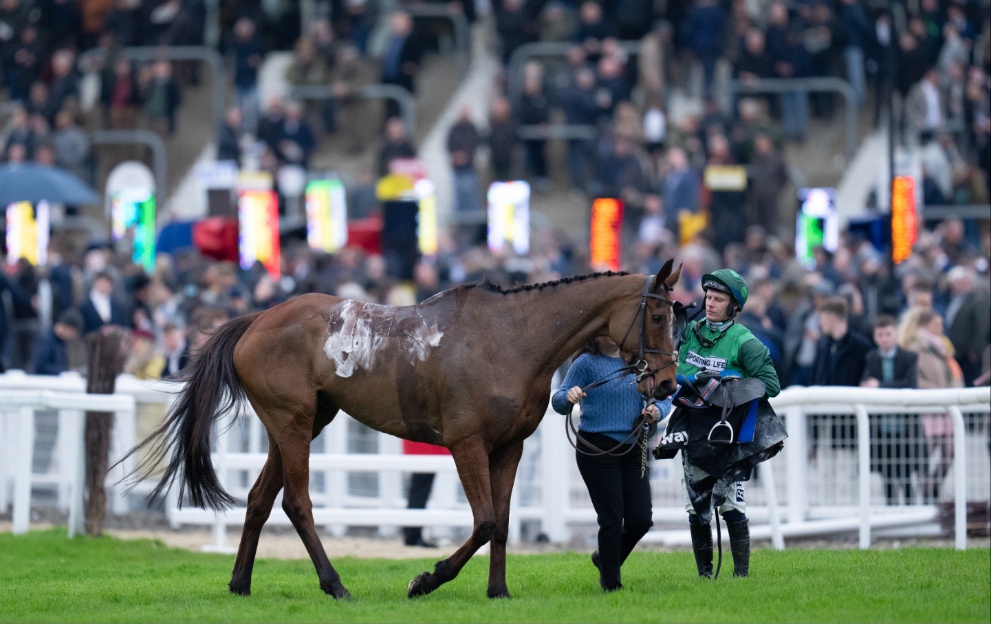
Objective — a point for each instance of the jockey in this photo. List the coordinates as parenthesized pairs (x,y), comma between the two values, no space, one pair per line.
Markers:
(720,344)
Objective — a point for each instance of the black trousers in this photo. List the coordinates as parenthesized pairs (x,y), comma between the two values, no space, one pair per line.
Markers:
(420,485)
(622,503)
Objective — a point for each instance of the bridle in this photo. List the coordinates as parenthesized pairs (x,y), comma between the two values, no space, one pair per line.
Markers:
(640,368)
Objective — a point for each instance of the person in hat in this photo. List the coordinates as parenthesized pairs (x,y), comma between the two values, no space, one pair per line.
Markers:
(718,343)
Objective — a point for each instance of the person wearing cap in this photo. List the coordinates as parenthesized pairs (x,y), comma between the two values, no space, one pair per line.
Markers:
(718,343)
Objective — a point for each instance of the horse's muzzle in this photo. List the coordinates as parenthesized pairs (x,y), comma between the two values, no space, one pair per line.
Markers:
(664,389)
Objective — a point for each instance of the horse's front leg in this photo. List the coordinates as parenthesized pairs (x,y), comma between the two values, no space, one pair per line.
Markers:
(502,468)
(295,445)
(472,461)
(260,500)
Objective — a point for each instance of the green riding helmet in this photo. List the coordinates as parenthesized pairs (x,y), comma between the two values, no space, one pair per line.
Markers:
(729,282)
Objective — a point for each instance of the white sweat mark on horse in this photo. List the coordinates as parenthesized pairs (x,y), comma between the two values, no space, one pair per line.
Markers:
(362,337)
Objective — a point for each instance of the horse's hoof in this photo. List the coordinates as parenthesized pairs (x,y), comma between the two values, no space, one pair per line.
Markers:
(499,593)
(240,590)
(337,592)
(419,586)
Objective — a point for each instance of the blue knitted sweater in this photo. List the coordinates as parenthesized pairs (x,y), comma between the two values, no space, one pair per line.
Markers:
(610,409)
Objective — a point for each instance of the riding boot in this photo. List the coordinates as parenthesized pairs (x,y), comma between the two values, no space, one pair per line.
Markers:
(739,543)
(702,545)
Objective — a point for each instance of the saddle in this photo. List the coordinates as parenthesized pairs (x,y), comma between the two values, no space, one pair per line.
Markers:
(723,424)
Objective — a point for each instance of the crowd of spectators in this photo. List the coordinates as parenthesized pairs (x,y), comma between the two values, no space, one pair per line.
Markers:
(635,152)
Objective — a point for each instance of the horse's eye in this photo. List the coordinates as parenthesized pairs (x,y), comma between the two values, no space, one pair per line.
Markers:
(656,318)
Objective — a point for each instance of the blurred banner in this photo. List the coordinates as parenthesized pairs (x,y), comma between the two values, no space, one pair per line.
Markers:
(605,233)
(509,216)
(28,228)
(326,215)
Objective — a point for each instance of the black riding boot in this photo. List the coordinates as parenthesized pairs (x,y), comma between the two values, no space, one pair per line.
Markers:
(739,543)
(702,545)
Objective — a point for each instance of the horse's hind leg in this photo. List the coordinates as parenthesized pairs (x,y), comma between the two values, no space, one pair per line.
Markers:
(502,470)
(260,500)
(473,468)
(295,445)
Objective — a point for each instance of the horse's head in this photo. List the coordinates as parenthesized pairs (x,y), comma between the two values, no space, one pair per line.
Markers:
(650,341)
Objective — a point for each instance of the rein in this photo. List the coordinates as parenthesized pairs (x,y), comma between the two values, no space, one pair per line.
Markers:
(642,371)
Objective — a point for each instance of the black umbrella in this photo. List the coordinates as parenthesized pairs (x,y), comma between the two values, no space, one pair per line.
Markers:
(32,182)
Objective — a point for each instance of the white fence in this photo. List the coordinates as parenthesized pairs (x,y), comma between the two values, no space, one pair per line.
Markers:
(357,474)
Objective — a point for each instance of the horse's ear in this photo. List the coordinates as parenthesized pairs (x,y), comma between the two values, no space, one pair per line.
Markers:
(665,278)
(673,278)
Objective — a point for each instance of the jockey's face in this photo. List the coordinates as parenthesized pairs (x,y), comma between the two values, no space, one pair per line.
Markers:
(716,306)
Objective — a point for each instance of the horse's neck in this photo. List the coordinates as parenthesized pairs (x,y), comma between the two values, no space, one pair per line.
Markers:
(562,318)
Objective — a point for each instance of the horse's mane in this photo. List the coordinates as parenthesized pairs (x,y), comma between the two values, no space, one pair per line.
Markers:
(497,288)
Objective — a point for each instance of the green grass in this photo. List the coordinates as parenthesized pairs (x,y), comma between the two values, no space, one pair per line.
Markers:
(45,577)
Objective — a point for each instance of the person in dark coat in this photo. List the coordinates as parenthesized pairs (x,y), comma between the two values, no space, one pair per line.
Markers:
(968,325)
(20,300)
(840,358)
(397,145)
(229,137)
(899,447)
(50,354)
(101,307)
(401,58)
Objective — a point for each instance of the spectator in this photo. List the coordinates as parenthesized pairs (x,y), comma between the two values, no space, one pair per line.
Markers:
(397,145)
(19,132)
(418,492)
(355,22)
(120,95)
(248,56)
(229,137)
(144,359)
(348,75)
(768,176)
(25,320)
(160,97)
(308,68)
(101,307)
(64,88)
(592,28)
(296,140)
(854,35)
(463,140)
(924,105)
(680,189)
(840,357)
(515,27)
(19,299)
(123,22)
(22,64)
(402,56)
(535,112)
(71,145)
(270,125)
(502,140)
(923,334)
(582,104)
(50,355)
(896,450)
(176,350)
(790,60)
(703,36)
(967,321)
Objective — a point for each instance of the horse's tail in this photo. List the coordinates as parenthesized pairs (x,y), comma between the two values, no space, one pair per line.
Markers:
(212,389)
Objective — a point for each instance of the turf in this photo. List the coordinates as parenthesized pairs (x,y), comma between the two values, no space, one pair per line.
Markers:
(44,577)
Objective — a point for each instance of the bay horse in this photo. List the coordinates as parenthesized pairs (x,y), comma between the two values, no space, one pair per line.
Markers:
(469,369)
